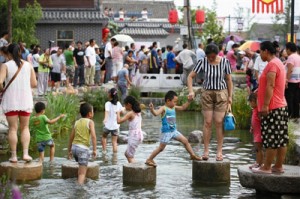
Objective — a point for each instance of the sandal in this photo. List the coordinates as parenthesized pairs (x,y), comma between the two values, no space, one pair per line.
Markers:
(255,165)
(219,158)
(13,160)
(277,170)
(260,171)
(195,157)
(205,157)
(150,163)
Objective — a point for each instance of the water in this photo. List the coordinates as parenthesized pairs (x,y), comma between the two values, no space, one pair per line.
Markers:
(174,171)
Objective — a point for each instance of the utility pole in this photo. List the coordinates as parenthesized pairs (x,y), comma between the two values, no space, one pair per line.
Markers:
(292,19)
(9,20)
(187,22)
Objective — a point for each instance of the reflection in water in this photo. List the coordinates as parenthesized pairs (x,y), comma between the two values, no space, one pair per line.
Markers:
(174,171)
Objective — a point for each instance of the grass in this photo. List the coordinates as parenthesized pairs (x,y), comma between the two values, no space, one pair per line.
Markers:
(291,153)
(241,110)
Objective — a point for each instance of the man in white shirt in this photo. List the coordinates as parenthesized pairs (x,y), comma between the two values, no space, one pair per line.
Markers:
(188,59)
(108,60)
(91,59)
(230,43)
(259,66)
(200,52)
(58,67)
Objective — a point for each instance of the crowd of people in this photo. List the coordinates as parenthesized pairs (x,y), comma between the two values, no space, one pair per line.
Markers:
(122,14)
(273,79)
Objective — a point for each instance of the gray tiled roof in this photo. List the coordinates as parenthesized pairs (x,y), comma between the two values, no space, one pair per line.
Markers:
(72,16)
(158,9)
(145,31)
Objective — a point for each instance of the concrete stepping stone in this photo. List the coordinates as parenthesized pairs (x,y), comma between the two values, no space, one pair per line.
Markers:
(70,170)
(22,171)
(211,172)
(281,183)
(139,173)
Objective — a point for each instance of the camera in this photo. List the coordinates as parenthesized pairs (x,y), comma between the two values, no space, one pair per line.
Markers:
(51,41)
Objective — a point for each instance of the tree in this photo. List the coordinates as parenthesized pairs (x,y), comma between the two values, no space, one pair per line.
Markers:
(282,21)
(23,20)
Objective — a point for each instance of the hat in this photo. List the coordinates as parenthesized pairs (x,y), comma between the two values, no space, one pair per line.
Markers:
(146,50)
(242,52)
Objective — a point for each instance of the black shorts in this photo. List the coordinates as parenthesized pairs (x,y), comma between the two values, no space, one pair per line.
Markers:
(274,129)
(55,77)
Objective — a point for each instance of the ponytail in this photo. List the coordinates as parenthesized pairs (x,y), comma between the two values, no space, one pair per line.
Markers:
(15,51)
(134,104)
(114,96)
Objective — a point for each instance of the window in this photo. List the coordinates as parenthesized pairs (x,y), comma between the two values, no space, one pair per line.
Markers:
(64,37)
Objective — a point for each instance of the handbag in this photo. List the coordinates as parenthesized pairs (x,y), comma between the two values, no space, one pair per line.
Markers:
(229,121)
(9,83)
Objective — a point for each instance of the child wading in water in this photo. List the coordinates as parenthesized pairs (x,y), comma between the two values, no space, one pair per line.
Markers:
(39,124)
(135,134)
(256,130)
(79,143)
(110,120)
(168,129)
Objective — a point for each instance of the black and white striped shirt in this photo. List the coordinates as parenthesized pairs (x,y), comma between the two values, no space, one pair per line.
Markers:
(214,74)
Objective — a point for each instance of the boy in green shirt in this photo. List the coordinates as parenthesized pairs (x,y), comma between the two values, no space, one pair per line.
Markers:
(39,123)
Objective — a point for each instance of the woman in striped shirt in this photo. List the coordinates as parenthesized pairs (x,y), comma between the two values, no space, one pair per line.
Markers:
(216,97)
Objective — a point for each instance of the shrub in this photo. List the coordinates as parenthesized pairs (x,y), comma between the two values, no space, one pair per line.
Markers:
(97,98)
(291,153)
(135,92)
(241,110)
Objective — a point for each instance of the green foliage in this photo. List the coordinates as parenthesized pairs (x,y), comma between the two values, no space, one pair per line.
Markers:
(241,110)
(113,27)
(135,92)
(96,98)
(23,20)
(194,106)
(62,104)
(291,153)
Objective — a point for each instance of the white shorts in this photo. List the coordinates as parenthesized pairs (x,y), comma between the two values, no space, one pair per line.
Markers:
(117,66)
(132,146)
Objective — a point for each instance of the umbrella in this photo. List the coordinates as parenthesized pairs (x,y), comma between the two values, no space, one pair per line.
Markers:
(123,38)
(252,45)
(236,38)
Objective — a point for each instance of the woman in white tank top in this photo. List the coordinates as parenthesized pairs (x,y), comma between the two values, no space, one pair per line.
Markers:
(17,101)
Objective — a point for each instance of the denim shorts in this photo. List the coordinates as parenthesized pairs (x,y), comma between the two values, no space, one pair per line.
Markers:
(41,145)
(81,155)
(114,132)
(167,137)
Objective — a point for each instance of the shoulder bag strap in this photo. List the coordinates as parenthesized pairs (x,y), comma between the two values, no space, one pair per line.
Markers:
(12,79)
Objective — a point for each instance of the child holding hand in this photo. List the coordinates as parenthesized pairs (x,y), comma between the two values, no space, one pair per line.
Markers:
(135,134)
(169,129)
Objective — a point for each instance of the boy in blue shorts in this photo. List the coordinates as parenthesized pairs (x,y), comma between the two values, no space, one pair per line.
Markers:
(168,129)
(79,143)
(39,124)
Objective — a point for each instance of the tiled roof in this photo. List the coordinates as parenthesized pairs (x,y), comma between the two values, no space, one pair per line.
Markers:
(158,9)
(72,16)
(144,31)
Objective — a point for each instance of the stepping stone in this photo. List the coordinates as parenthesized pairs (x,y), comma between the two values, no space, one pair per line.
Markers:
(284,183)
(139,173)
(22,171)
(70,170)
(211,172)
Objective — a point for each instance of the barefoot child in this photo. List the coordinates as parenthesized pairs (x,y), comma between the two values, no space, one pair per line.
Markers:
(110,120)
(135,135)
(168,129)
(79,143)
(39,124)
(256,130)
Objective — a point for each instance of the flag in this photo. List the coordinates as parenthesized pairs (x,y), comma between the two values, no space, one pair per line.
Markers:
(273,6)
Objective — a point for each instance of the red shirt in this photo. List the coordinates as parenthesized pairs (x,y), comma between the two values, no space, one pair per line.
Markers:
(278,98)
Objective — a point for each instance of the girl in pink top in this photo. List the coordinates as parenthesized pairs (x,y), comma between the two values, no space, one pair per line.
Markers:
(135,134)
(256,130)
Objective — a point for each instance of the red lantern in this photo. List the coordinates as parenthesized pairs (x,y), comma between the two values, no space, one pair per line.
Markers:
(173,17)
(105,32)
(200,16)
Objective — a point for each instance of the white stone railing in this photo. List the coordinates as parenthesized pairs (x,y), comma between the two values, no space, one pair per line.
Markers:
(157,82)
